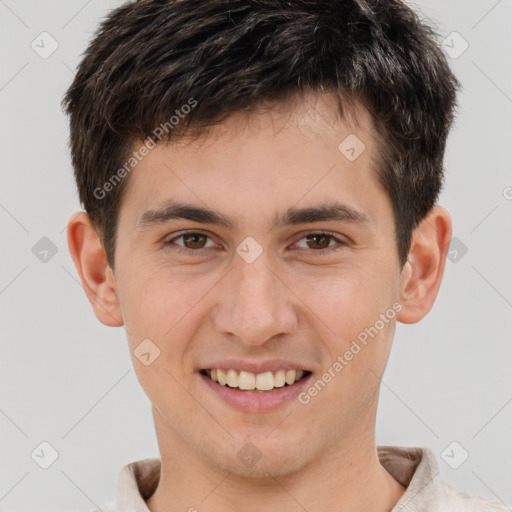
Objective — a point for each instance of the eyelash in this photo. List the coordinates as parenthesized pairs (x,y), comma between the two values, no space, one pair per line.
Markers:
(320,252)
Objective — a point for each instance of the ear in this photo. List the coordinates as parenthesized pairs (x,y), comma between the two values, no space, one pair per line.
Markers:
(97,278)
(422,274)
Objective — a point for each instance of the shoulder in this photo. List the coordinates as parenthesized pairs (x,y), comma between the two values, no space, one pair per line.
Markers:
(416,469)
(458,500)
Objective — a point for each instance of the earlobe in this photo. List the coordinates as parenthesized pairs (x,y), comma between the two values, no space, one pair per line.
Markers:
(97,278)
(423,272)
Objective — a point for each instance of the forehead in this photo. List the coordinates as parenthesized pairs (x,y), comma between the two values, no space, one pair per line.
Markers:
(310,115)
(281,152)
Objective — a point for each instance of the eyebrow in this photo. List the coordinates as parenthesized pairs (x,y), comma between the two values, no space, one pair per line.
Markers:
(333,211)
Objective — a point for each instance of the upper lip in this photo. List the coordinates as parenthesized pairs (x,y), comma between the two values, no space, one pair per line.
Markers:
(261,366)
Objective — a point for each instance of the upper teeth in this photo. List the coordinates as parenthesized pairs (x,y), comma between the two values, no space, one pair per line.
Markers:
(260,381)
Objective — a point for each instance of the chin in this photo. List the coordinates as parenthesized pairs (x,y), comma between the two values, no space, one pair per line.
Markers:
(260,463)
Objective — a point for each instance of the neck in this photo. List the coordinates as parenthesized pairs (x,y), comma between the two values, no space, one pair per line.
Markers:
(347,478)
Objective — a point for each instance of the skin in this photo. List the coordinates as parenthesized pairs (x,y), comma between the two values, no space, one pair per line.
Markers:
(289,303)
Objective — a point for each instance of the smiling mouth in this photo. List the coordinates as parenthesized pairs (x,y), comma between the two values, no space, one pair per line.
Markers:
(247,381)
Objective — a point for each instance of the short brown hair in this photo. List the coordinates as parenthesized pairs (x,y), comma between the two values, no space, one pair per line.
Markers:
(150,58)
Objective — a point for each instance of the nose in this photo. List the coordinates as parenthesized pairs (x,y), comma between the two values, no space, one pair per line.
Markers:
(256,304)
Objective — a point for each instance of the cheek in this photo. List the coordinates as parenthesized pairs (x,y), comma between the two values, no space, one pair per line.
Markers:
(162,304)
(357,309)
(160,307)
(349,300)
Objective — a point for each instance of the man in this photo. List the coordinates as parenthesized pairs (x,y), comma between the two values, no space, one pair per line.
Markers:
(259,181)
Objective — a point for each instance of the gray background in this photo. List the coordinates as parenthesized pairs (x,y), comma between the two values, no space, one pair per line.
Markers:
(68,380)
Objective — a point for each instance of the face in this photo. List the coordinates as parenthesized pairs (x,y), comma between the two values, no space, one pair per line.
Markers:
(293,267)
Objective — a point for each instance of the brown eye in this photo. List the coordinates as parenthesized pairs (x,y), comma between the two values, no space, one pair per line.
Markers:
(320,240)
(189,241)
(194,240)
(319,243)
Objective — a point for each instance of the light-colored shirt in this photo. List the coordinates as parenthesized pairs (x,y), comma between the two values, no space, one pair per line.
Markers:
(415,468)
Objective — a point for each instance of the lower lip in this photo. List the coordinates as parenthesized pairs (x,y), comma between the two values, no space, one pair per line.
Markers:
(256,401)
